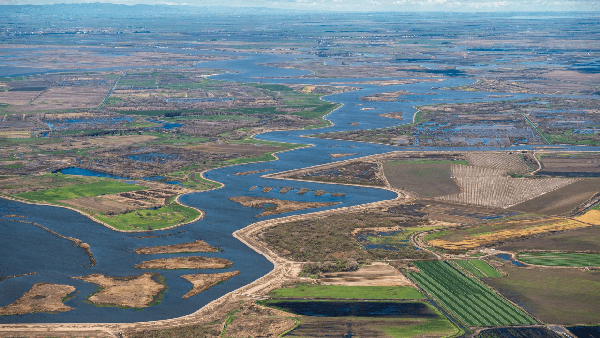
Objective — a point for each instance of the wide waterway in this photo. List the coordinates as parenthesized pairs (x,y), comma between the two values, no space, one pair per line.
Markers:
(26,248)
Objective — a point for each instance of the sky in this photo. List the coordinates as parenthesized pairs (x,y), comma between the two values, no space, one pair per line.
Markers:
(366,5)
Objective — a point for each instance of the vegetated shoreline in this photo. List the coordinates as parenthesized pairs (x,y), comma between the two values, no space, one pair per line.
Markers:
(176,200)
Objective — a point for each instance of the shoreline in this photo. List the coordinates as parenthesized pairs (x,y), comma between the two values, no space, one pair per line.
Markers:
(202,214)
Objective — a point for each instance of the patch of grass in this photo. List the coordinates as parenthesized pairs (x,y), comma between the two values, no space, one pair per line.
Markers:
(350,292)
(439,326)
(560,259)
(79,190)
(163,217)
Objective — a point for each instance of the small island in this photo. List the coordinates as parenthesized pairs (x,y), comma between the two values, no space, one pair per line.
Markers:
(43,297)
(197,246)
(204,281)
(140,291)
(193,262)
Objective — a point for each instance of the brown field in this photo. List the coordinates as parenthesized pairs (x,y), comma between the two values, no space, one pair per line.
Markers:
(557,296)
(192,262)
(495,233)
(570,163)
(197,246)
(426,179)
(279,206)
(137,291)
(94,142)
(204,281)
(43,297)
(562,200)
(375,274)
(62,98)
(258,326)
(586,239)
(17,98)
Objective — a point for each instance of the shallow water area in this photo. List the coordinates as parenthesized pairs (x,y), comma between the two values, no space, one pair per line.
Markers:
(354,309)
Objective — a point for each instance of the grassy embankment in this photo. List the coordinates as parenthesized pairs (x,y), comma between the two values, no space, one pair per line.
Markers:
(431,324)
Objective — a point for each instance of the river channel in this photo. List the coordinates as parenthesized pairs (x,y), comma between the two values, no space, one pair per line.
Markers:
(25,248)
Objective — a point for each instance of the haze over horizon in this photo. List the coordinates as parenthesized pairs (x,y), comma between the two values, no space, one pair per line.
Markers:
(360,6)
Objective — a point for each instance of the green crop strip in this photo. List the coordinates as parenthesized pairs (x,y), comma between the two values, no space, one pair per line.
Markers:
(468,299)
(348,292)
(560,259)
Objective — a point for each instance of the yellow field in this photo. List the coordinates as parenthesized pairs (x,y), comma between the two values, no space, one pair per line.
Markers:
(530,228)
(591,217)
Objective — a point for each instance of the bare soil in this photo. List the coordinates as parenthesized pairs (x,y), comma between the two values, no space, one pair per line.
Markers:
(204,281)
(137,291)
(563,200)
(197,246)
(258,326)
(43,297)
(280,206)
(192,262)
(374,274)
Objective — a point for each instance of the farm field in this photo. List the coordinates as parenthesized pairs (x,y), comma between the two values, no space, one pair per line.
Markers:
(560,259)
(466,298)
(562,200)
(558,296)
(490,187)
(478,268)
(490,233)
(585,239)
(569,164)
(425,178)
(347,292)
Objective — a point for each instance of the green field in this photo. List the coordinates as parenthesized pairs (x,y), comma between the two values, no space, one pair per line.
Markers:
(163,217)
(79,190)
(478,268)
(560,259)
(349,292)
(468,299)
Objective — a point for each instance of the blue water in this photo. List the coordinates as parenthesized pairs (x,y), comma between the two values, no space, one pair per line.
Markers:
(86,172)
(25,248)
(506,257)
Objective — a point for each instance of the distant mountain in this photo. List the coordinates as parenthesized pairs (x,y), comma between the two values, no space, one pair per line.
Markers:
(116,10)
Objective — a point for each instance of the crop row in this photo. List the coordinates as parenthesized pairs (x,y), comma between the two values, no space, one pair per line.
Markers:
(471,301)
(560,259)
(487,186)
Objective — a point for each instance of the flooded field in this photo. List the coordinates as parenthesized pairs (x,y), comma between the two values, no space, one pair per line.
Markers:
(353,309)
